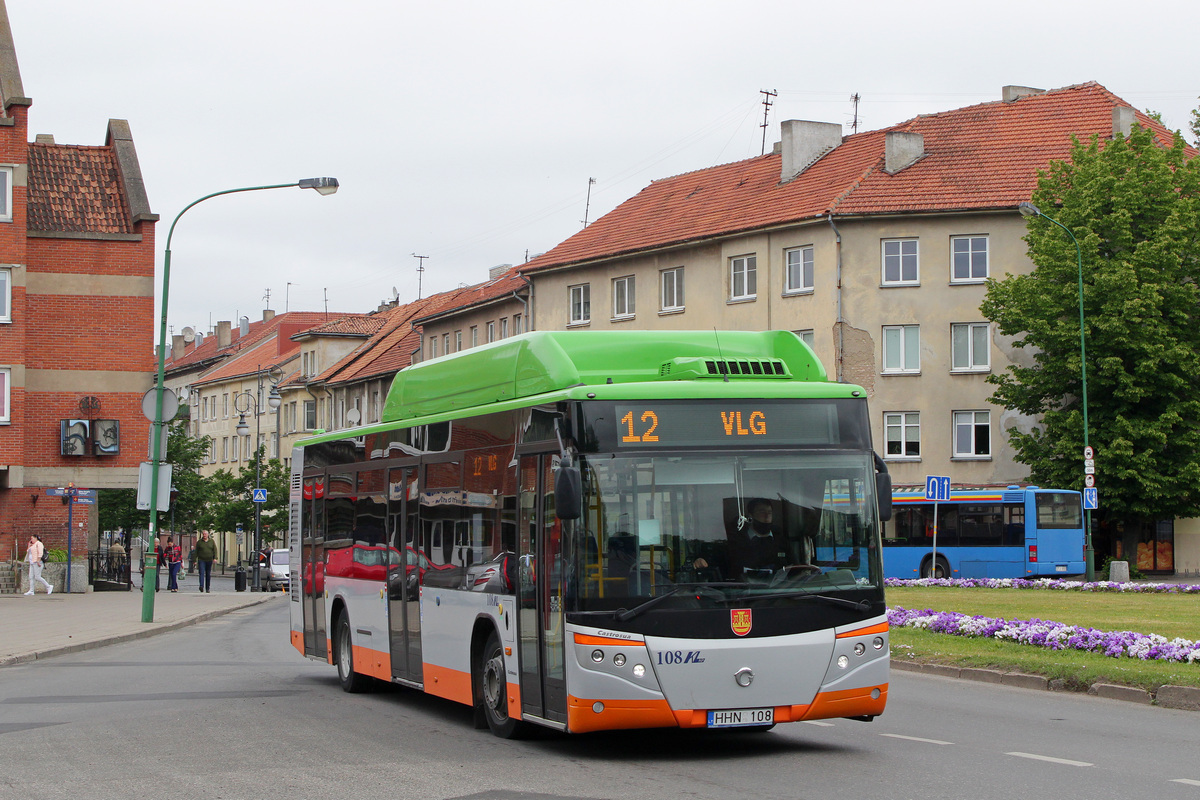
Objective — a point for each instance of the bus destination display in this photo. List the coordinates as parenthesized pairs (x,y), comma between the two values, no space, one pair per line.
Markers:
(709,424)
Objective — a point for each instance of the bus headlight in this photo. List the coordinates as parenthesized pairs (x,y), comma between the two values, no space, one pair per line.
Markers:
(619,659)
(843,662)
(877,642)
(638,670)
(597,656)
(859,648)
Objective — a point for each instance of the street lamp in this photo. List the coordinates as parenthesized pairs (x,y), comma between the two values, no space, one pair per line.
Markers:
(1030,210)
(322,186)
(241,403)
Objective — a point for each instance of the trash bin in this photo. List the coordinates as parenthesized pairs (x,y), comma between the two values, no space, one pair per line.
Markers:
(239,579)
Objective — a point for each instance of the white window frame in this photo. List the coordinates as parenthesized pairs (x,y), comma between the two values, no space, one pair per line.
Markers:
(670,289)
(964,422)
(743,270)
(310,406)
(579,307)
(908,339)
(6,294)
(897,260)
(6,194)
(902,422)
(446,343)
(798,277)
(5,395)
(970,334)
(504,327)
(474,336)
(433,346)
(458,341)
(518,321)
(624,297)
(491,331)
(808,336)
(224,449)
(971,254)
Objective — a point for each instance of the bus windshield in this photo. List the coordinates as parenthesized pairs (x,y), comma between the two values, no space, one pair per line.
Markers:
(744,525)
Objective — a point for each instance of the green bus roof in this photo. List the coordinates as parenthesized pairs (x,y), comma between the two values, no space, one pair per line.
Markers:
(547,362)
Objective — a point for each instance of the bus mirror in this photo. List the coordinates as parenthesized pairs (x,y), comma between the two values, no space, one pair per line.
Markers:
(883,491)
(568,492)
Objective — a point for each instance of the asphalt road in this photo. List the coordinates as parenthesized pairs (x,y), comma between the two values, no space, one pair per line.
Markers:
(226,709)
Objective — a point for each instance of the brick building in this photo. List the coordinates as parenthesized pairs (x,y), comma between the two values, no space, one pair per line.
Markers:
(76,319)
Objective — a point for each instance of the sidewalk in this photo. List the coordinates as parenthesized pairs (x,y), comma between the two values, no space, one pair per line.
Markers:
(42,626)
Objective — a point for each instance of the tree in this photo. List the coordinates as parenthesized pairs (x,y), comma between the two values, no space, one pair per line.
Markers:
(1195,126)
(1134,206)
(230,499)
(117,508)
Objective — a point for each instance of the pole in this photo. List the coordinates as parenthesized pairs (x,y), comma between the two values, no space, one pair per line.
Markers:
(257,486)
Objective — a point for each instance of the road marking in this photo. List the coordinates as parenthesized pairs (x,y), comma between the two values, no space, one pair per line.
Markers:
(1052,759)
(1187,781)
(819,724)
(914,738)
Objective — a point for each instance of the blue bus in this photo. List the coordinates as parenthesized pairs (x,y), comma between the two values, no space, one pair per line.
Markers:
(1017,532)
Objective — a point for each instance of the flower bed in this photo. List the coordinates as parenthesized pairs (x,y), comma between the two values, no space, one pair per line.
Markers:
(1052,584)
(1053,635)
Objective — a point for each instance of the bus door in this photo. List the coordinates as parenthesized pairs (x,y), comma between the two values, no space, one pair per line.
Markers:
(404,572)
(312,567)
(540,592)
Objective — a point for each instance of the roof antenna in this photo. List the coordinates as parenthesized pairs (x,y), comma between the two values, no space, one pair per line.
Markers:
(420,271)
(766,101)
(586,208)
(724,366)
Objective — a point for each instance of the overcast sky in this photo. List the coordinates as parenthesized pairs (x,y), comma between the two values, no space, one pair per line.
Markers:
(467,131)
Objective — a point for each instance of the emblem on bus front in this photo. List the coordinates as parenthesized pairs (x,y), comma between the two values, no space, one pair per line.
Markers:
(740,621)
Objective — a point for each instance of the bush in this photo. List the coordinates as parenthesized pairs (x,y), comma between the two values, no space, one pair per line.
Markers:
(1135,574)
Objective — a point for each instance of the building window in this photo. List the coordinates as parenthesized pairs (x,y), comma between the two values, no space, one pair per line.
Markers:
(972,434)
(225,405)
(969,347)
(504,327)
(902,431)
(224,448)
(234,455)
(375,397)
(798,276)
(5,395)
(623,295)
(806,336)
(458,341)
(581,304)
(5,295)
(446,343)
(902,348)
(672,289)
(968,259)
(743,278)
(310,415)
(491,331)
(900,262)
(6,194)
(517,323)
(433,347)
(474,336)
(212,451)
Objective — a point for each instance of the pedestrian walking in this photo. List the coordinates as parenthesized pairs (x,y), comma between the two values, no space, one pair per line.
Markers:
(206,553)
(174,557)
(33,556)
(160,562)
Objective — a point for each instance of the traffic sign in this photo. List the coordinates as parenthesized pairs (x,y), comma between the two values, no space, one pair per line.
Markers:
(1091,500)
(1089,481)
(260,495)
(1089,452)
(937,487)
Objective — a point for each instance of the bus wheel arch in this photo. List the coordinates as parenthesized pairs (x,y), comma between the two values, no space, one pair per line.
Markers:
(343,653)
(490,683)
(930,570)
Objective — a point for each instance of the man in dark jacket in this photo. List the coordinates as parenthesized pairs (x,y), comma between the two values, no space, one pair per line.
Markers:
(206,553)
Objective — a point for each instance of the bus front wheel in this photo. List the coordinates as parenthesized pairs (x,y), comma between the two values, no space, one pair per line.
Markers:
(492,681)
(343,656)
(938,569)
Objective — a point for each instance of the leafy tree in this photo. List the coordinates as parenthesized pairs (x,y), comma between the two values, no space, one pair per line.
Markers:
(117,508)
(1134,207)
(231,504)
(1195,126)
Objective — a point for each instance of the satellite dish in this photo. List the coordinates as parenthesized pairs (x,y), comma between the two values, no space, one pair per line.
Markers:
(353,416)
(184,393)
(395,293)
(189,334)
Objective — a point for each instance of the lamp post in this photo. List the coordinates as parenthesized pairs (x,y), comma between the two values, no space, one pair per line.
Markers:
(242,402)
(1030,210)
(322,186)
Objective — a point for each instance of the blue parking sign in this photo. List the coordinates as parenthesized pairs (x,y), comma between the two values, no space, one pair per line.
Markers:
(1091,499)
(937,487)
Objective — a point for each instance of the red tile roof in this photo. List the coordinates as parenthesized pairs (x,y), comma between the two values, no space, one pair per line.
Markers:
(76,189)
(208,349)
(346,326)
(480,294)
(980,157)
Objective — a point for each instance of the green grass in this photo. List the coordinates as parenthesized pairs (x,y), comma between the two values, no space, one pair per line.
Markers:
(1167,615)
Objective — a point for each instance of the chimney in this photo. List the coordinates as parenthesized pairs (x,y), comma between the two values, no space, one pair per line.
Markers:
(1123,119)
(177,346)
(1010,93)
(498,270)
(44,138)
(224,333)
(268,315)
(902,150)
(804,142)
(244,326)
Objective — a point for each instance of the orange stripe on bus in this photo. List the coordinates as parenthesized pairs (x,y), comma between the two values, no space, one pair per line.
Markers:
(372,662)
(618,715)
(329,652)
(451,684)
(298,641)
(880,628)
(586,638)
(848,703)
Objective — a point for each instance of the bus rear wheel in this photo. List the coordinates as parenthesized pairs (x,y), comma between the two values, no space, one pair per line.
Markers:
(343,656)
(492,683)
(938,569)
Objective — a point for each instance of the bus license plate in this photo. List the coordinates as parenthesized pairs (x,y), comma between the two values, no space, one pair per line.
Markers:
(1060,568)
(740,717)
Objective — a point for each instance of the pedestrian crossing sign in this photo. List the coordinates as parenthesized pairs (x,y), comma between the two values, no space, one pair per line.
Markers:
(260,495)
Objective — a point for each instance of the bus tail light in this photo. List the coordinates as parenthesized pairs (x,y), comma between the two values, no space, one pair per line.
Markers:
(1033,554)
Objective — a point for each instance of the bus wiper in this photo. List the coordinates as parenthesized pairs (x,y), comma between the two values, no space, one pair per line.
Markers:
(623,615)
(859,605)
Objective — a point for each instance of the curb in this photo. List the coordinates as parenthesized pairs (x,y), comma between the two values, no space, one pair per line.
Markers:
(1186,698)
(33,655)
